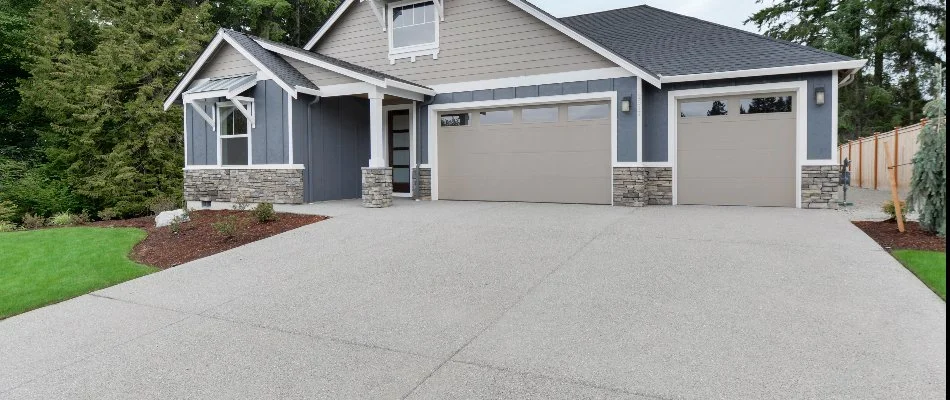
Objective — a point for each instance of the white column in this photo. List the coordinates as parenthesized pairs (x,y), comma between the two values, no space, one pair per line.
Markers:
(376,133)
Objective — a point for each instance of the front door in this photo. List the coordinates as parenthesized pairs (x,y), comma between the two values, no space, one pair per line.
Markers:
(399,150)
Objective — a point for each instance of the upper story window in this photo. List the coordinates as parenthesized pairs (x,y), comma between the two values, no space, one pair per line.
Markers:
(414,30)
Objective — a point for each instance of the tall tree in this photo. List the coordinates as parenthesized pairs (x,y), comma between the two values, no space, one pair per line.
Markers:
(287,21)
(17,136)
(99,71)
(894,35)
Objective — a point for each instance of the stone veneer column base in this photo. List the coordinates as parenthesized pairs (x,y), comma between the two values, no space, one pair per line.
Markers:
(377,187)
(820,186)
(640,186)
(422,178)
(279,186)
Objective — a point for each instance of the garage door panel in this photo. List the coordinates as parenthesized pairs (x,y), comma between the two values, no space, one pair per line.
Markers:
(563,161)
(537,190)
(722,191)
(737,159)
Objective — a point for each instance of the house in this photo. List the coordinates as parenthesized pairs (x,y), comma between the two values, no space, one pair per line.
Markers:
(497,100)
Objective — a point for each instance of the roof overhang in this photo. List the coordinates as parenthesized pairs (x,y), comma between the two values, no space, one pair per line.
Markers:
(222,37)
(375,81)
(794,69)
(535,12)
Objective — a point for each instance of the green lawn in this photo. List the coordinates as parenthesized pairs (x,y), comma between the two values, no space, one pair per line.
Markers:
(929,266)
(50,265)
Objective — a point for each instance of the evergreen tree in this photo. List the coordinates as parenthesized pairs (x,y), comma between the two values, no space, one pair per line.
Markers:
(718,108)
(288,21)
(928,185)
(99,71)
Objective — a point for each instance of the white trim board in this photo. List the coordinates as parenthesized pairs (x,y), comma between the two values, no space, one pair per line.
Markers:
(543,17)
(534,80)
(253,166)
(801,123)
(794,69)
(433,127)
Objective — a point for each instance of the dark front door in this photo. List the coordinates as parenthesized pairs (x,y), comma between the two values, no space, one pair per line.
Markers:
(399,149)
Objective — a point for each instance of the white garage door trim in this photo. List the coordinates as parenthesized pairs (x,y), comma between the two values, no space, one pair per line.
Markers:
(434,110)
(801,122)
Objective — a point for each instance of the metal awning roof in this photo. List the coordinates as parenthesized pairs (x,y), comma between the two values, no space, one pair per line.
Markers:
(228,84)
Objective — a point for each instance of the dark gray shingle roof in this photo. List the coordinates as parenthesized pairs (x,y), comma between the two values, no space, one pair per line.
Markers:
(337,62)
(280,67)
(668,44)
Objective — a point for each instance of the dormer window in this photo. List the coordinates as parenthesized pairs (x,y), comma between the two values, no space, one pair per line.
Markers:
(414,30)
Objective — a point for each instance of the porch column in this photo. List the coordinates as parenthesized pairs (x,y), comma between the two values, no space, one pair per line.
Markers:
(377,177)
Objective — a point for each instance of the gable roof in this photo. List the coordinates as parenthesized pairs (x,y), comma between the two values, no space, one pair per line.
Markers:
(674,45)
(303,55)
(538,13)
(284,74)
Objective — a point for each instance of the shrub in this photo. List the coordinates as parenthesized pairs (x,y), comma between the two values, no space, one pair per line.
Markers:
(82,218)
(7,226)
(162,203)
(32,221)
(889,209)
(8,211)
(227,226)
(241,204)
(107,214)
(64,218)
(265,212)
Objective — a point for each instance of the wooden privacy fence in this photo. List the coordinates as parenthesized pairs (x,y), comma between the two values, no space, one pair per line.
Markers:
(869,157)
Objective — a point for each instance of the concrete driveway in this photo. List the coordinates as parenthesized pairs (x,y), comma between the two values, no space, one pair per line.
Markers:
(440,300)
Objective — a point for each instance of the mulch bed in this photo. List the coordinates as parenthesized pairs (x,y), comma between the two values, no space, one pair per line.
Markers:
(196,239)
(886,234)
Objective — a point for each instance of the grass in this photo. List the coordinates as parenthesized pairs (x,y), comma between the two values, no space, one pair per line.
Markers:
(929,266)
(46,266)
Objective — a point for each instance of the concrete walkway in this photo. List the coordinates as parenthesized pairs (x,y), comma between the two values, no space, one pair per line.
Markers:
(445,300)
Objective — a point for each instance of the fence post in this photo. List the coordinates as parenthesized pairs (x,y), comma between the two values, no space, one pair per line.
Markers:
(860,163)
(851,159)
(897,154)
(875,159)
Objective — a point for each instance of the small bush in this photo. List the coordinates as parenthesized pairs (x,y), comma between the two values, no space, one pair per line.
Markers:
(241,204)
(162,203)
(64,218)
(227,226)
(8,211)
(82,218)
(32,221)
(889,209)
(175,224)
(7,226)
(265,212)
(107,214)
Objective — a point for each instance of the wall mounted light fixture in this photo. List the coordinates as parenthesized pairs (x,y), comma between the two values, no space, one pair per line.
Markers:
(625,104)
(820,95)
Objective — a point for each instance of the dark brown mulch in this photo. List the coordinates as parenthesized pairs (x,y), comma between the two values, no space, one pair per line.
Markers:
(886,234)
(164,248)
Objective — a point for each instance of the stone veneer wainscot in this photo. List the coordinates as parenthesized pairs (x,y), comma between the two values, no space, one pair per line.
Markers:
(820,186)
(423,181)
(279,186)
(640,186)
(377,187)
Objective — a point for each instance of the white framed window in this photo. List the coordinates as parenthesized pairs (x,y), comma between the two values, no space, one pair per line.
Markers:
(496,117)
(234,133)
(456,119)
(539,115)
(413,30)
(588,112)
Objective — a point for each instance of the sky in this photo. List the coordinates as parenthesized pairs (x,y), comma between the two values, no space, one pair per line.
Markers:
(725,12)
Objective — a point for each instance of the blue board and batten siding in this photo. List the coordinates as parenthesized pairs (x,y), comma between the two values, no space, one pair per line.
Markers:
(656,117)
(268,137)
(626,121)
(338,148)
(202,139)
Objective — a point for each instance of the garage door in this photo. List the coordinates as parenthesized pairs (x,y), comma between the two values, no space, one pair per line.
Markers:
(547,153)
(737,150)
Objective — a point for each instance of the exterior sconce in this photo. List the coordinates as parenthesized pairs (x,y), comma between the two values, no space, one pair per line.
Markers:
(820,95)
(625,104)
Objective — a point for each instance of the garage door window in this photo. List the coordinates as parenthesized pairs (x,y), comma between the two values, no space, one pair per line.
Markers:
(588,112)
(536,115)
(455,119)
(496,117)
(704,108)
(764,105)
